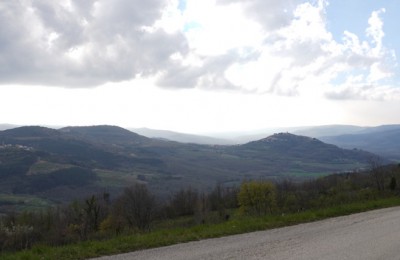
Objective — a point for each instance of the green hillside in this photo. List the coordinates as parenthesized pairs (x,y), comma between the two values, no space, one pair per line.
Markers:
(72,162)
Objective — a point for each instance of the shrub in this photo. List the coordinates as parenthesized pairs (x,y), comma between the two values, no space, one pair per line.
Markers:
(257,197)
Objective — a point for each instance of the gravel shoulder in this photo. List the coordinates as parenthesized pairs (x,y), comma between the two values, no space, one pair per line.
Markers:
(369,235)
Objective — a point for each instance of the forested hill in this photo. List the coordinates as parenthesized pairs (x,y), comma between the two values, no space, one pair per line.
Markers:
(38,161)
(294,147)
(106,134)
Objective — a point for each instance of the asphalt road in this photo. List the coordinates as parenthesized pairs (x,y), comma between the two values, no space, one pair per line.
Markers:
(370,235)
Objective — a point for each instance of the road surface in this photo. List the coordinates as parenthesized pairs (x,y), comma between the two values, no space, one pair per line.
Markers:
(370,235)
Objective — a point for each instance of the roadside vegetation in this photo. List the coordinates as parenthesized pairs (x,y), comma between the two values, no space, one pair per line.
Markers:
(101,225)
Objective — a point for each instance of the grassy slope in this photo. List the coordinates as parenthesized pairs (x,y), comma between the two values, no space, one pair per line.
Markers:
(23,202)
(236,225)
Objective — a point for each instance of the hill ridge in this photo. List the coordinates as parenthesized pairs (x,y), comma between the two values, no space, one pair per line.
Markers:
(112,158)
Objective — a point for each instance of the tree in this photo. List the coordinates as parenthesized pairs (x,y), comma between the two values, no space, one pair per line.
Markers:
(184,202)
(257,197)
(138,206)
(377,172)
(393,183)
(92,214)
(222,198)
(202,209)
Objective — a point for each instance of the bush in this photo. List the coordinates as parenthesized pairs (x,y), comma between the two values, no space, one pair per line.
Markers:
(15,237)
(257,197)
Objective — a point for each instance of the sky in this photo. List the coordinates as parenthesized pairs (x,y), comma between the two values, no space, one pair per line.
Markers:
(199,66)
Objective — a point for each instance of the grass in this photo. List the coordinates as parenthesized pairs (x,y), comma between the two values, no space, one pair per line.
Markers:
(119,179)
(44,167)
(24,202)
(168,236)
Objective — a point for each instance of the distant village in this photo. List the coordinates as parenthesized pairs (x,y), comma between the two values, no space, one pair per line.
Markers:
(16,146)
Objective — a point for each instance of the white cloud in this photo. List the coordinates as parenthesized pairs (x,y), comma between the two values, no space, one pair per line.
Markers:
(303,58)
(375,30)
(255,46)
(270,14)
(368,64)
(219,28)
(83,43)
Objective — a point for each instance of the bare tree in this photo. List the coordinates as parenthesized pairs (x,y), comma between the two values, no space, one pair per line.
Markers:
(91,214)
(377,171)
(184,202)
(138,206)
(223,198)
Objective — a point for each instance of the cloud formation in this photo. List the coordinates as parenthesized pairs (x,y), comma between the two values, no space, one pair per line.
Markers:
(83,43)
(258,46)
(301,56)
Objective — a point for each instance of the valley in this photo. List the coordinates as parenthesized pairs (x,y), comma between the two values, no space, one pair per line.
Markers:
(57,166)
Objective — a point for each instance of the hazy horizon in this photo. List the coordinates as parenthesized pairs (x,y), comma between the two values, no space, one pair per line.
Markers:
(220,135)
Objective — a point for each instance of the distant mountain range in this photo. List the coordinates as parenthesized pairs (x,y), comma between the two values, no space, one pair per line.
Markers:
(383,140)
(181,137)
(385,143)
(72,162)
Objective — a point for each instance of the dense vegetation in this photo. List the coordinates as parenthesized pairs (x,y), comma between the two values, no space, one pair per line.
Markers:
(138,211)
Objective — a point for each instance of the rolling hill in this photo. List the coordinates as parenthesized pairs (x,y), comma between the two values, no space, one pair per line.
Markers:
(384,141)
(60,165)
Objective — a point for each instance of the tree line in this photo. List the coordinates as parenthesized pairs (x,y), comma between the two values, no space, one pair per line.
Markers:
(137,209)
